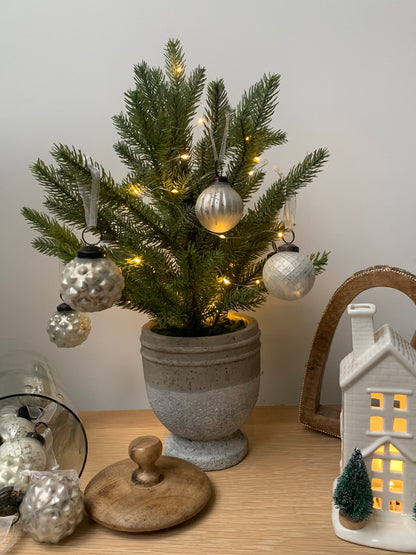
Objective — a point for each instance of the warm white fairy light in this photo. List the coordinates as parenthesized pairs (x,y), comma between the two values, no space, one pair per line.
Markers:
(135,190)
(257,282)
(247,138)
(136,260)
(226,281)
(184,156)
(201,121)
(251,172)
(175,190)
(222,236)
(257,159)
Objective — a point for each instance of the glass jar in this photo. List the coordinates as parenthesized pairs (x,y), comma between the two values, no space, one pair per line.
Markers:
(30,389)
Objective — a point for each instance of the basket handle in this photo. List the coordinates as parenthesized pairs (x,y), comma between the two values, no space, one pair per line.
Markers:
(325,418)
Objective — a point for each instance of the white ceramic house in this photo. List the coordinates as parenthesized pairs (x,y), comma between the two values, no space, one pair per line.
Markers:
(378,383)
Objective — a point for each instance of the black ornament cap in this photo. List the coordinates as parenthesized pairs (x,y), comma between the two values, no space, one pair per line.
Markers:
(288,247)
(63,307)
(36,434)
(90,251)
(220,179)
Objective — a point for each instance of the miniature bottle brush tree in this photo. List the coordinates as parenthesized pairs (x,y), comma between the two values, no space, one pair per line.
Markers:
(182,275)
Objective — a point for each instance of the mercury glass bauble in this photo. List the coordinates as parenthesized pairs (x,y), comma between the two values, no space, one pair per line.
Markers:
(10,473)
(27,448)
(219,207)
(52,508)
(14,427)
(67,327)
(288,275)
(91,282)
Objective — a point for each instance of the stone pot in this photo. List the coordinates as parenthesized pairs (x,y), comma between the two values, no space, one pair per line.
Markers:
(203,389)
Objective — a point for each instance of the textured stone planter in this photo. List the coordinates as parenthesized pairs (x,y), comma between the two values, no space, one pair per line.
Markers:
(203,389)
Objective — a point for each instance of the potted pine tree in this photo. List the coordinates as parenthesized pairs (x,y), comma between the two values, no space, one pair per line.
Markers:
(201,360)
(353,494)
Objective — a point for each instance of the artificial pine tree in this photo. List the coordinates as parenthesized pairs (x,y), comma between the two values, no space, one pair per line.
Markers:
(353,495)
(177,272)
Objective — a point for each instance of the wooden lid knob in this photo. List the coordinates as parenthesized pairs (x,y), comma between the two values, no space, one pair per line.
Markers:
(145,451)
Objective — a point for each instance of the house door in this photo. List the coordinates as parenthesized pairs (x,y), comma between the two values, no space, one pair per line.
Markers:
(387,471)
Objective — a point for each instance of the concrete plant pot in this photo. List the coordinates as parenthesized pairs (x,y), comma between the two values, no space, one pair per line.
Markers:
(203,389)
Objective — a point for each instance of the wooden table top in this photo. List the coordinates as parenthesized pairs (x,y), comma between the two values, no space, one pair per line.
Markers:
(278,500)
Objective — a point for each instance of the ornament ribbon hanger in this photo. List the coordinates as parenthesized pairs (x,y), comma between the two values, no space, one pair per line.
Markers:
(90,195)
(219,158)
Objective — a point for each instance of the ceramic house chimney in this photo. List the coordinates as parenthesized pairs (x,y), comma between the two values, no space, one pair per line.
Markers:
(362,327)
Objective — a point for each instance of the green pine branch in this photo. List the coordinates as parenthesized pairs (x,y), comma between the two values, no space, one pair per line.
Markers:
(175,270)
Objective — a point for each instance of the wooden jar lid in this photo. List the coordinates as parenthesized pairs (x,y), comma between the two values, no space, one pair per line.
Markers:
(148,491)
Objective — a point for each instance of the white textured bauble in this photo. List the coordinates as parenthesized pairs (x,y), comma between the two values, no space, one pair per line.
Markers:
(29,449)
(91,284)
(67,327)
(10,473)
(288,275)
(52,508)
(14,427)
(219,207)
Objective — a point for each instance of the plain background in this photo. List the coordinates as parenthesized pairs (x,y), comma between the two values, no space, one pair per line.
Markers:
(348,83)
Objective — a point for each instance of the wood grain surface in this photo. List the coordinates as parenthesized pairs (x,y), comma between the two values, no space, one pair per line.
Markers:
(278,500)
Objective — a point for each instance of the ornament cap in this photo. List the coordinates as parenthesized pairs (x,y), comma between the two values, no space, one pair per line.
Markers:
(90,251)
(64,307)
(220,179)
(288,247)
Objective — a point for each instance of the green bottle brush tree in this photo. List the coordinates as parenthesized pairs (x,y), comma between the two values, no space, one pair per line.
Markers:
(180,274)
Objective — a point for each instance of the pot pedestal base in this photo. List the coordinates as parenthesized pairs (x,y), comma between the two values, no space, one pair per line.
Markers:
(209,455)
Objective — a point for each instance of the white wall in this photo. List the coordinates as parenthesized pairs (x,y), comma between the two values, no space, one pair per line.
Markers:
(348,83)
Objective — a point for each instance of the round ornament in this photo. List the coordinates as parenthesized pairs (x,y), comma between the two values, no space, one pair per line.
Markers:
(68,327)
(219,207)
(10,473)
(29,449)
(14,427)
(288,274)
(52,507)
(91,282)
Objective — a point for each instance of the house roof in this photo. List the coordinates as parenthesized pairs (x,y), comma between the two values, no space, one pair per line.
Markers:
(401,446)
(386,341)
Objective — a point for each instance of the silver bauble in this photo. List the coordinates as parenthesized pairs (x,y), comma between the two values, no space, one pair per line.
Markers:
(52,508)
(219,207)
(67,327)
(29,449)
(10,473)
(91,282)
(288,274)
(14,427)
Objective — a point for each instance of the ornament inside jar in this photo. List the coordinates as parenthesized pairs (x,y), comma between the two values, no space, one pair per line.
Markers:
(68,327)
(219,207)
(288,274)
(30,449)
(91,282)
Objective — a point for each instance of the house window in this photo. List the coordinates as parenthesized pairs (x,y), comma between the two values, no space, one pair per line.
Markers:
(377,502)
(400,425)
(396,466)
(396,486)
(392,449)
(395,506)
(377,483)
(376,423)
(380,450)
(377,400)
(400,402)
(377,465)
